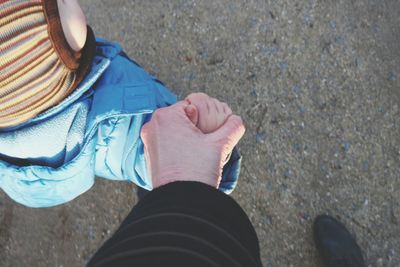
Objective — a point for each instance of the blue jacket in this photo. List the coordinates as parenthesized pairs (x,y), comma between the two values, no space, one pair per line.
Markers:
(56,156)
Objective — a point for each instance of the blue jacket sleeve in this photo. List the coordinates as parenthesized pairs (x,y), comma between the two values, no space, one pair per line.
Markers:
(123,102)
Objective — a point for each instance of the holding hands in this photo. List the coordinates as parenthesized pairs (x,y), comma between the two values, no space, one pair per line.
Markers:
(189,141)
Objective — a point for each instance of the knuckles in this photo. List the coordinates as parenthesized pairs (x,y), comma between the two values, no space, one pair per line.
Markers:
(157,114)
(144,132)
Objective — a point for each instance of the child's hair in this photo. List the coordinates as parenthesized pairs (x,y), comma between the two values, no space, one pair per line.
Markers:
(38,69)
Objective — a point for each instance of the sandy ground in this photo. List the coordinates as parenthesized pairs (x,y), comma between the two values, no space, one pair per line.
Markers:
(318,85)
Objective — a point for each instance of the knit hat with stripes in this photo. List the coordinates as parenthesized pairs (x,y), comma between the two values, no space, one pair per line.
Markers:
(38,69)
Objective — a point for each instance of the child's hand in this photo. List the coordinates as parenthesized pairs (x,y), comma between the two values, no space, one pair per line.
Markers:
(207,113)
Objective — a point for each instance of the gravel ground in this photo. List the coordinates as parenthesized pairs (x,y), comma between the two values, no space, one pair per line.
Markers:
(318,85)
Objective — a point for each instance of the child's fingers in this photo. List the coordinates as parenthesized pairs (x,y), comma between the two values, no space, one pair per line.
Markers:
(215,118)
(222,107)
(227,110)
(217,105)
(209,114)
(196,98)
(222,112)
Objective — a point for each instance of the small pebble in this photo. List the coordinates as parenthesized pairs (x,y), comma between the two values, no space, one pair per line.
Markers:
(260,138)
(253,92)
(296,89)
(288,174)
(365,165)
(283,66)
(346,147)
(392,77)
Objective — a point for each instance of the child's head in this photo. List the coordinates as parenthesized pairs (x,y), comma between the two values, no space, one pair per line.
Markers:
(45,51)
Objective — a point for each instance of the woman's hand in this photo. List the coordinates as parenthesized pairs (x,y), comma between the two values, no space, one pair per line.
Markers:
(176,150)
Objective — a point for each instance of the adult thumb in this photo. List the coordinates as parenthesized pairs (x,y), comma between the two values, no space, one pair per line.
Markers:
(230,133)
(192,114)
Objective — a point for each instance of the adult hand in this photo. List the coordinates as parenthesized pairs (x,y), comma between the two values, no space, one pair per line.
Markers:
(176,150)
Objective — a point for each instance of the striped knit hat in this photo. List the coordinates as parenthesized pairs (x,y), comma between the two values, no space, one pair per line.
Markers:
(38,69)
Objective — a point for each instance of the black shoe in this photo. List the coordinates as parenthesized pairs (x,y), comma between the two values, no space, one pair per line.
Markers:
(335,244)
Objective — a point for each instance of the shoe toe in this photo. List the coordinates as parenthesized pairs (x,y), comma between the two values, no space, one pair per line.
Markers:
(335,243)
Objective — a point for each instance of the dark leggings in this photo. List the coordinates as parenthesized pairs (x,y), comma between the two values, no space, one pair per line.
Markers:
(182,224)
